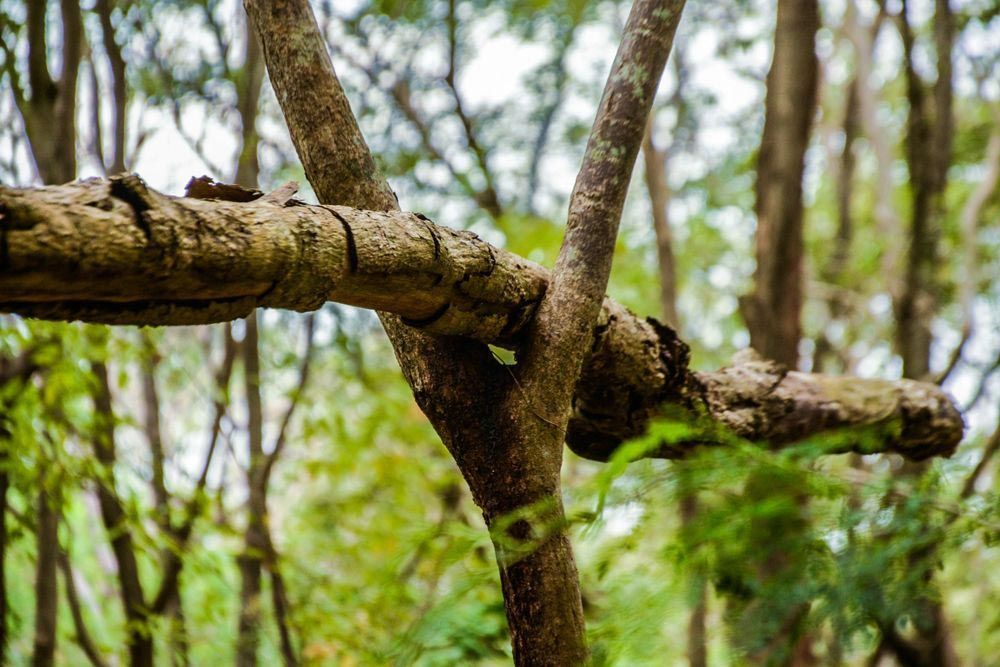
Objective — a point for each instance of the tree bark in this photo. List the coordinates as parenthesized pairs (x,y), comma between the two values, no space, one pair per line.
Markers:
(50,113)
(46,586)
(773,314)
(80,252)
(929,138)
(546,622)
(254,538)
(772,311)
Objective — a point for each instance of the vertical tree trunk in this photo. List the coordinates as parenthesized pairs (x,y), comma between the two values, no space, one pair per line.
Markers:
(928,146)
(773,314)
(138,631)
(658,187)
(773,311)
(46,589)
(492,418)
(256,541)
(254,538)
(50,114)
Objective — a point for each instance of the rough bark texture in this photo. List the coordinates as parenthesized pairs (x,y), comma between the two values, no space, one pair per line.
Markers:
(772,311)
(445,373)
(83,251)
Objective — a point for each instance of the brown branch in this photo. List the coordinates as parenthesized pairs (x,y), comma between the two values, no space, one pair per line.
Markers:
(118,85)
(557,340)
(488,199)
(887,218)
(658,188)
(558,92)
(96,130)
(151,426)
(984,380)
(772,312)
(971,214)
(295,256)
(39,77)
(279,599)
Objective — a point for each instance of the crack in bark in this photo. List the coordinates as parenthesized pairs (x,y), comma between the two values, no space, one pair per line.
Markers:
(133,191)
(430,319)
(352,248)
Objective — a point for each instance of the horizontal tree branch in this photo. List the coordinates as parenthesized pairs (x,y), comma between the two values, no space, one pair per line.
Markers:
(117,252)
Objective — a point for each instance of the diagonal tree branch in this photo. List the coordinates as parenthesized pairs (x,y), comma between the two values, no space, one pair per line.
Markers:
(83,636)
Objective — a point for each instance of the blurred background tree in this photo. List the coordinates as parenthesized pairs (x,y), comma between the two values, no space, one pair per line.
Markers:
(150,479)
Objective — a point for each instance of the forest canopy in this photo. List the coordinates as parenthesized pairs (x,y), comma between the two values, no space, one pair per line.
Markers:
(346,333)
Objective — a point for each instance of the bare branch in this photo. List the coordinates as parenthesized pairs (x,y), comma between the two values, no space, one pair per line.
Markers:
(118,83)
(969,487)
(561,330)
(248,256)
(83,637)
(296,397)
(488,198)
(971,214)
(173,558)
(115,520)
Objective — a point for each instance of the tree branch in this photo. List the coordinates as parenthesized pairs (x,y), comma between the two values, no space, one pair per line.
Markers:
(557,339)
(206,260)
(83,637)
(488,198)
(118,83)
(173,560)
(296,397)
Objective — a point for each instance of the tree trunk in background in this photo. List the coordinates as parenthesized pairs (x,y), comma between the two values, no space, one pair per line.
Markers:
(928,154)
(50,113)
(773,311)
(49,117)
(46,585)
(258,548)
(254,539)
(115,519)
(929,138)
(834,271)
(658,187)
